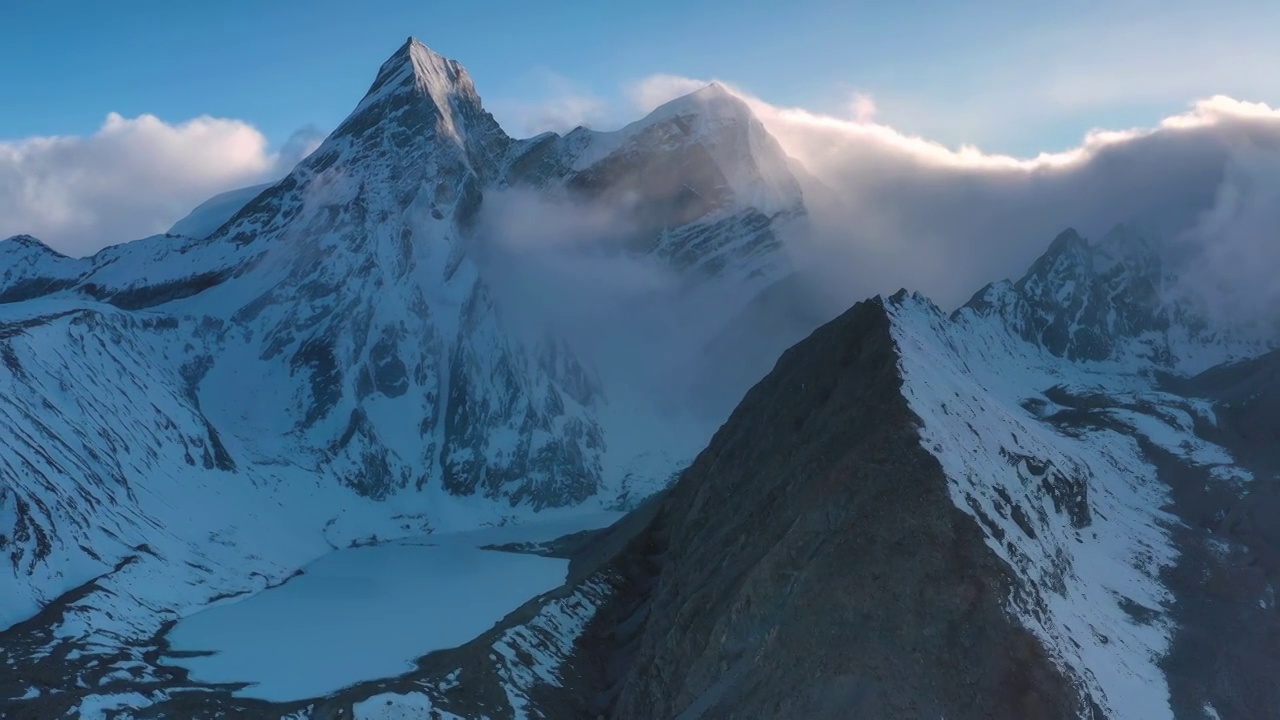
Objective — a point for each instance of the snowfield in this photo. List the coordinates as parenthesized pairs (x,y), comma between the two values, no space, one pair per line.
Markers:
(1074,511)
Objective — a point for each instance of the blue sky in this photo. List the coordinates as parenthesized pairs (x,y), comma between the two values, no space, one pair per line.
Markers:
(1009,76)
(118,118)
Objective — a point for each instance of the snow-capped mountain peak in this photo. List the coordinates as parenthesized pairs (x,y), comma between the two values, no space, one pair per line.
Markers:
(29,267)
(711,100)
(1116,299)
(333,355)
(424,99)
(747,164)
(27,241)
(415,69)
(1132,247)
(331,336)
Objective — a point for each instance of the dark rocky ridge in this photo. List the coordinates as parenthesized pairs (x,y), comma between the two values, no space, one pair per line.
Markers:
(1227,649)
(798,567)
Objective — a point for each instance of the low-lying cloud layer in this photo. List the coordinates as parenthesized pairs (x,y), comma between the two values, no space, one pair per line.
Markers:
(889,210)
(132,178)
(895,210)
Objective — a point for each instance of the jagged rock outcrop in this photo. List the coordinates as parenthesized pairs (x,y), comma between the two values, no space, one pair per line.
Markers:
(1120,299)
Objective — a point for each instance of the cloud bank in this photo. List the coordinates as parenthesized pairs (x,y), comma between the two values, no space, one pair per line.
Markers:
(890,209)
(895,210)
(132,178)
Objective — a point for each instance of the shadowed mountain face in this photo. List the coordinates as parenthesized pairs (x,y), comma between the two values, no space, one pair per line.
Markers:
(916,515)
(811,564)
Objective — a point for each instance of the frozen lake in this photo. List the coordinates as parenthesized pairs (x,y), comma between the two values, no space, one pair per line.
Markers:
(365,613)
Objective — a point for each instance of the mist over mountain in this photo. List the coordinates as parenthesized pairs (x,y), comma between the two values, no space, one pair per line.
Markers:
(900,211)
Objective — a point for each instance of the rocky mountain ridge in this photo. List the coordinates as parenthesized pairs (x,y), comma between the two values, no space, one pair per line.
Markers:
(1034,483)
(1120,298)
(331,352)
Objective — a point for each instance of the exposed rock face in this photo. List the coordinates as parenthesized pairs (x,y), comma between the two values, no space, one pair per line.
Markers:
(1227,647)
(1116,299)
(810,563)
(325,360)
(700,183)
(911,490)
(333,328)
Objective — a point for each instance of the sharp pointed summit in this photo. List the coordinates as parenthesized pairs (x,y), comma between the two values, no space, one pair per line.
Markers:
(713,100)
(424,94)
(715,91)
(428,70)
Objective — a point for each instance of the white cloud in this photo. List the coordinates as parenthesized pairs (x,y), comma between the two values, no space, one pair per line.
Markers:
(1236,240)
(903,211)
(907,212)
(133,177)
(893,209)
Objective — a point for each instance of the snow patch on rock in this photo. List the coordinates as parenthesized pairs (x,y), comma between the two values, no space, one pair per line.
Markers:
(1074,510)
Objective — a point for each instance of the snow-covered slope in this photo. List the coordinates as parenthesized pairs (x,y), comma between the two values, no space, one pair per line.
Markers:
(329,355)
(29,268)
(1046,403)
(331,342)
(1120,514)
(212,213)
(916,515)
(1076,513)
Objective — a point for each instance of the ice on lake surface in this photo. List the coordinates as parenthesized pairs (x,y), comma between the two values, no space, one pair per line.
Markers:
(365,613)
